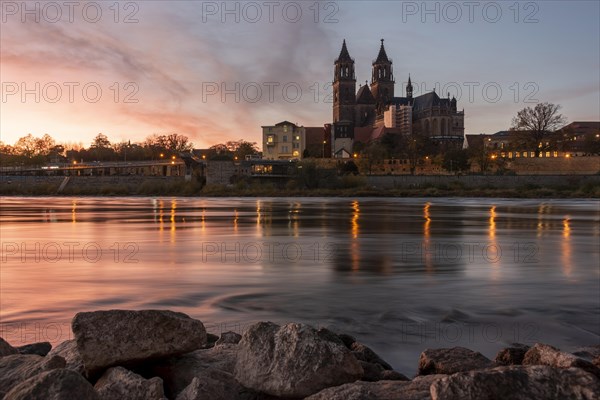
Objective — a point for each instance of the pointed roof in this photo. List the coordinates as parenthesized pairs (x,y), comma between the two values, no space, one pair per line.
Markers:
(382,57)
(409,82)
(344,54)
(364,95)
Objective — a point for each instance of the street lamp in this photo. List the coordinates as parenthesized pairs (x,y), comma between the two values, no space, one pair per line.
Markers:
(324,143)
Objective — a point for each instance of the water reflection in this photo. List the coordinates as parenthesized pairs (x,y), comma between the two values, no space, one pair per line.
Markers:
(426,239)
(74,211)
(566,248)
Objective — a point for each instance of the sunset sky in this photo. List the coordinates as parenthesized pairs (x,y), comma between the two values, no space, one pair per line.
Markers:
(172,56)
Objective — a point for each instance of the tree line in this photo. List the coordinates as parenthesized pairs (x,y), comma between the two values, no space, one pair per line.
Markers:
(30,150)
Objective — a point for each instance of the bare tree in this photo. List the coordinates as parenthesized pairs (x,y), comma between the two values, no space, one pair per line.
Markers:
(535,125)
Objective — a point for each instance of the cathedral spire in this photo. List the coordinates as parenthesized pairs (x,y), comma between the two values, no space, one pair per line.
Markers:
(344,54)
(409,88)
(382,57)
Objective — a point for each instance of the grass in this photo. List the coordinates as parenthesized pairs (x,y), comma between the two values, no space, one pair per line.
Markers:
(348,186)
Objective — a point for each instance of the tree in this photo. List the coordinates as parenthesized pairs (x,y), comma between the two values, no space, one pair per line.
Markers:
(25,146)
(479,153)
(100,142)
(372,155)
(101,149)
(456,161)
(534,125)
(242,148)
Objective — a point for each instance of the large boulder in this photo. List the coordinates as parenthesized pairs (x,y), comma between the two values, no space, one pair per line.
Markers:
(294,360)
(178,372)
(6,349)
(59,384)
(543,354)
(68,351)
(450,361)
(215,384)
(40,349)
(120,337)
(120,383)
(16,368)
(511,355)
(518,383)
(417,389)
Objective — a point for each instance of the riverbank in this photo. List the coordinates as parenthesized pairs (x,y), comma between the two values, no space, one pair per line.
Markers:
(157,355)
(351,186)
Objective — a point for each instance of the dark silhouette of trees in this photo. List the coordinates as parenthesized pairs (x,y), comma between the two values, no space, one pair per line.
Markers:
(534,127)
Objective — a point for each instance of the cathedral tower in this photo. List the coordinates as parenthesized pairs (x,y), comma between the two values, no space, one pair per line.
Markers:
(382,83)
(344,87)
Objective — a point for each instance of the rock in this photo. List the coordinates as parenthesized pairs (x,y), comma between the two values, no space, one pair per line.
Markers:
(120,337)
(588,352)
(518,382)
(120,383)
(40,349)
(210,340)
(511,355)
(68,351)
(596,361)
(294,360)
(375,372)
(6,349)
(364,353)
(16,368)
(59,384)
(543,354)
(178,372)
(229,338)
(417,389)
(371,372)
(214,384)
(346,339)
(388,375)
(450,361)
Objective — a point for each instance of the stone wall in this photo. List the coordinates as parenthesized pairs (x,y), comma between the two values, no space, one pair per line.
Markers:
(482,181)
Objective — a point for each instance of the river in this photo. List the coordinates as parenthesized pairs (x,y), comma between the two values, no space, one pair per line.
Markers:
(401,275)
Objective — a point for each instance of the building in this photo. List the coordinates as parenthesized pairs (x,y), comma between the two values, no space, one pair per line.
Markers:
(399,116)
(376,105)
(283,141)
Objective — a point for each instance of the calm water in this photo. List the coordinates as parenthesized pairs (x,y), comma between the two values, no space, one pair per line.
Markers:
(400,274)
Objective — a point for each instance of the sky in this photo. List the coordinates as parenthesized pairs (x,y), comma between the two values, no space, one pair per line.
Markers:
(217,71)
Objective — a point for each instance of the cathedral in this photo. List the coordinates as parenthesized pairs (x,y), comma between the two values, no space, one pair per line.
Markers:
(375,109)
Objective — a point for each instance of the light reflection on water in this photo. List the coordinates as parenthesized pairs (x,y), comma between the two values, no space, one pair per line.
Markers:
(400,274)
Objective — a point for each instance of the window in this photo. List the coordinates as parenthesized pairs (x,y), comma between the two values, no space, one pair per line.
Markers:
(547,154)
(285,128)
(517,154)
(269,139)
(284,138)
(532,154)
(556,154)
(525,154)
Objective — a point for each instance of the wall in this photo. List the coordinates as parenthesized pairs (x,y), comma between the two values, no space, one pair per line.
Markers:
(473,181)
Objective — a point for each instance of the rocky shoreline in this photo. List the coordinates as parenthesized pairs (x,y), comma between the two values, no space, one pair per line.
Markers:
(158,355)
